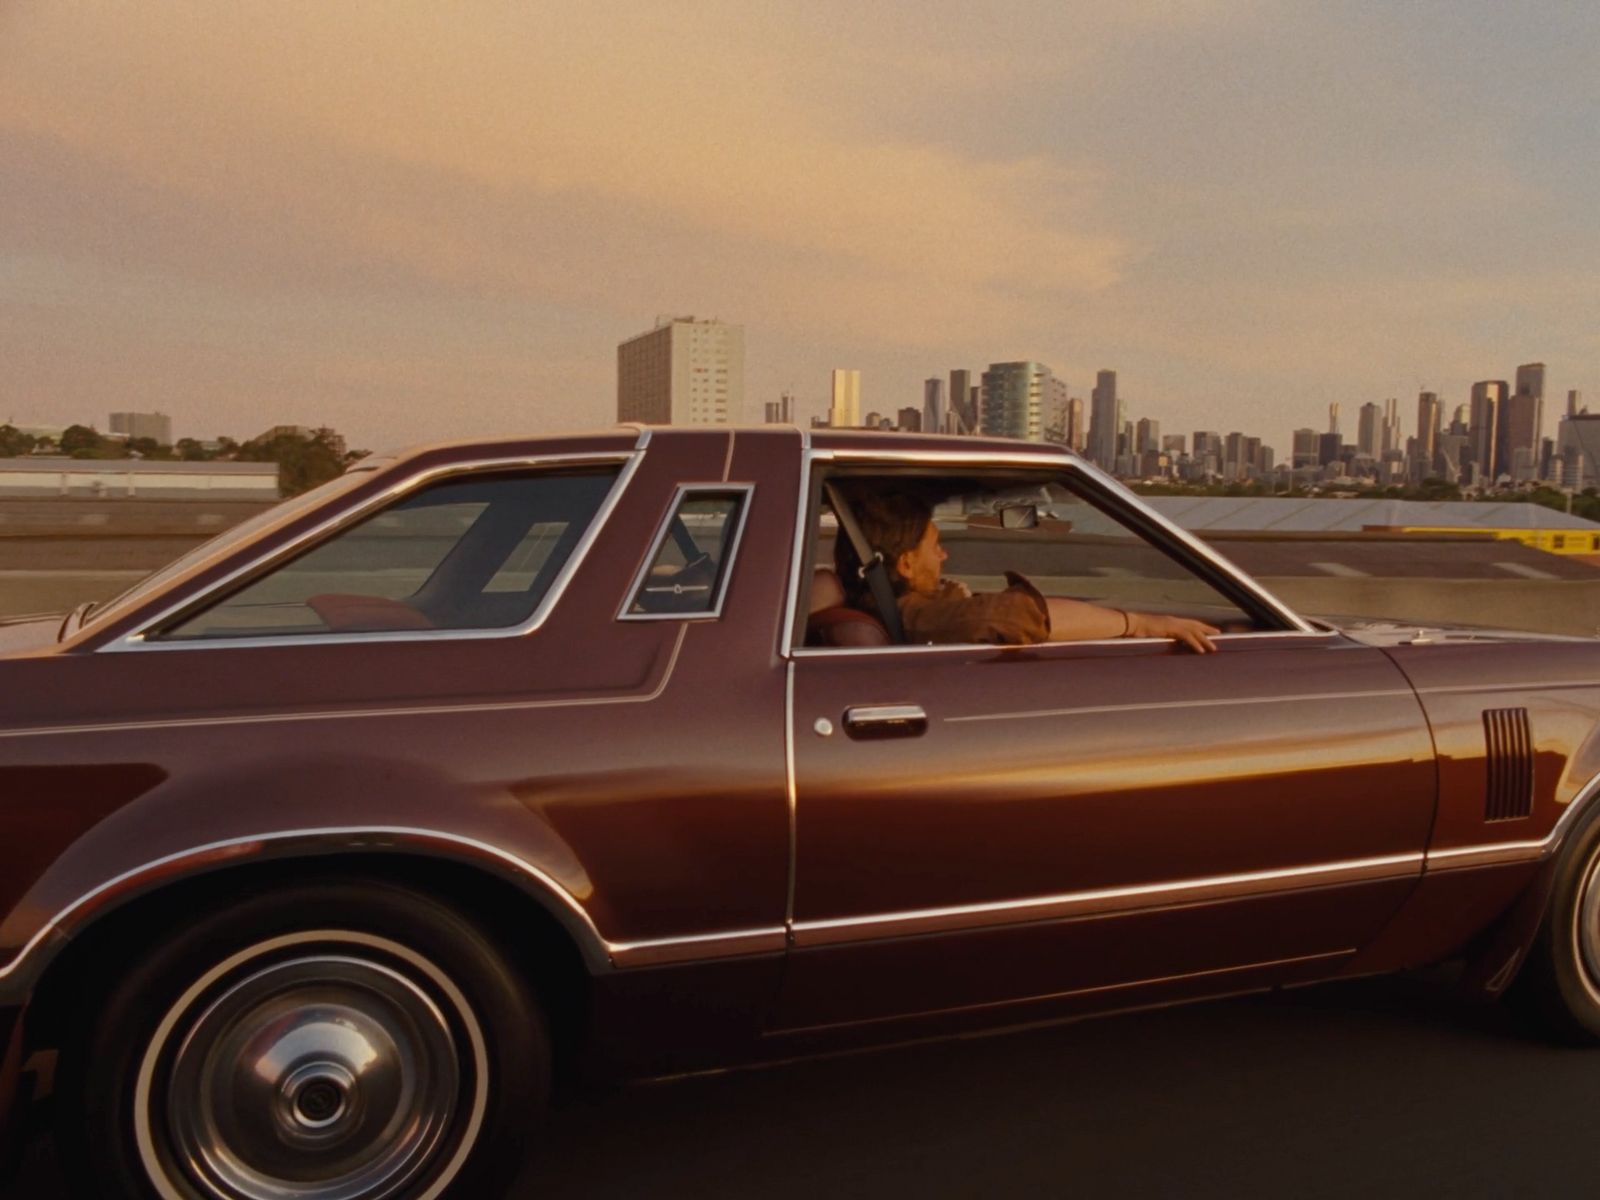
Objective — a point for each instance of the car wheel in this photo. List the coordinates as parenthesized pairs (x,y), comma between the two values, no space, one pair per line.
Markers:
(341,1041)
(1559,986)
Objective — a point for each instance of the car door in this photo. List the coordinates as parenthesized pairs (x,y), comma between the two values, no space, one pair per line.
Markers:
(977,825)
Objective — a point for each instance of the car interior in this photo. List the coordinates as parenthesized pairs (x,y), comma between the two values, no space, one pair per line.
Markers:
(1048,527)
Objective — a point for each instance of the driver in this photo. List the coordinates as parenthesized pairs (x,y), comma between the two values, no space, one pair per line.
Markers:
(933,609)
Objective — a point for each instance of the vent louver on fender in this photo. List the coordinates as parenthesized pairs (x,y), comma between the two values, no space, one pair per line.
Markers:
(1509,762)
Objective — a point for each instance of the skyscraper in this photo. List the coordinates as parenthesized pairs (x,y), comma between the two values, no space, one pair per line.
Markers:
(933,405)
(682,372)
(1333,417)
(961,399)
(1305,449)
(1367,432)
(1428,413)
(1105,420)
(1077,435)
(1521,423)
(1488,396)
(1014,398)
(845,410)
(1147,435)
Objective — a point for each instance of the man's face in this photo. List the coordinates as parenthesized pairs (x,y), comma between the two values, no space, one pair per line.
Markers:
(919,567)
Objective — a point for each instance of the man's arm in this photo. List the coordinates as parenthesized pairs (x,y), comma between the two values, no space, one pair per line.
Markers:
(1078,621)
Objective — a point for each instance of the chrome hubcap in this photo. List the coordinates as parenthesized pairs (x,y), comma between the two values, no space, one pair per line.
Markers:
(1586,926)
(333,1075)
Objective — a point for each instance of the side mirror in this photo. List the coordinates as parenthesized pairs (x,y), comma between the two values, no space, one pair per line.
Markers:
(1019,516)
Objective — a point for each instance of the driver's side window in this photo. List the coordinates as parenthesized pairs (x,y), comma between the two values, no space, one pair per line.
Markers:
(1068,547)
(1042,526)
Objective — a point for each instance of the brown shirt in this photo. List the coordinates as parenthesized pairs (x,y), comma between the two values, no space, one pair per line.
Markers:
(1017,616)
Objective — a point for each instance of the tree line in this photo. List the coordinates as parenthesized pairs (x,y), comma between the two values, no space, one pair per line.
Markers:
(304,459)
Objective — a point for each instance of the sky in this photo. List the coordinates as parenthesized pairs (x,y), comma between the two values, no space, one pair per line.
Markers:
(421,221)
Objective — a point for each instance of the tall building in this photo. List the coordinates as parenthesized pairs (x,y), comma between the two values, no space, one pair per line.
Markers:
(781,410)
(1014,399)
(1391,426)
(1147,435)
(1305,449)
(1333,417)
(1077,434)
(1368,435)
(961,400)
(683,372)
(1578,447)
(933,409)
(1105,420)
(1521,424)
(1428,413)
(130,425)
(1488,397)
(1574,403)
(844,412)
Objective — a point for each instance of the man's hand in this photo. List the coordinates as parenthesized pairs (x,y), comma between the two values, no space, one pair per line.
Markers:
(1193,634)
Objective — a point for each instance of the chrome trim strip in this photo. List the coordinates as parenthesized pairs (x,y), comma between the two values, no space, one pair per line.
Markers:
(598,949)
(1487,855)
(1485,688)
(1496,853)
(421,710)
(138,641)
(1231,702)
(1581,799)
(727,463)
(725,569)
(1045,457)
(226,849)
(800,551)
(1101,901)
(1194,544)
(810,651)
(734,943)
(1097,989)
(789,736)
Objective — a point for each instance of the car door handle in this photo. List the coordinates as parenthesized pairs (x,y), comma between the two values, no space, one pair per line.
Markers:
(885,721)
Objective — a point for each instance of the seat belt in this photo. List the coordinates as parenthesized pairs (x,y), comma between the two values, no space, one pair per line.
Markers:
(872,568)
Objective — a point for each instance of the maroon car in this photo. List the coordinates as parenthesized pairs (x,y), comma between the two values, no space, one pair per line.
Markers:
(327,849)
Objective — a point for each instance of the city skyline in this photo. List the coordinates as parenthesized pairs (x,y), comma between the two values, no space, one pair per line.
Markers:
(1253,208)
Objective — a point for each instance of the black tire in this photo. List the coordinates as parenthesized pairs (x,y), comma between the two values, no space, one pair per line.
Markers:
(1558,987)
(332,1031)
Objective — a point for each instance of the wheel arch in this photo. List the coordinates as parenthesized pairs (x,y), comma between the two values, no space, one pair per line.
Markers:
(525,925)
(1496,959)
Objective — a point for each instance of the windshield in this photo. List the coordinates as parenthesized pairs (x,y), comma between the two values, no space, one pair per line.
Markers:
(230,538)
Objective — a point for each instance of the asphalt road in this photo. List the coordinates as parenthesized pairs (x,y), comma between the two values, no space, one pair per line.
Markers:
(1374,1088)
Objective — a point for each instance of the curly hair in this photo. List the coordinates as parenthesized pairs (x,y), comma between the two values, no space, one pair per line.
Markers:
(892,523)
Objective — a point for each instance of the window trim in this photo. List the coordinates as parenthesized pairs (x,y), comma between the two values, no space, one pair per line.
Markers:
(725,569)
(138,640)
(1122,502)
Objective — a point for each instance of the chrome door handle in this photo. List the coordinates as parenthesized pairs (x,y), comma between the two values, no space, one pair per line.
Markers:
(885,721)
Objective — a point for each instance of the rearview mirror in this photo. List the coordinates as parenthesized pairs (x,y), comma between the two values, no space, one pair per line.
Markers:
(1019,516)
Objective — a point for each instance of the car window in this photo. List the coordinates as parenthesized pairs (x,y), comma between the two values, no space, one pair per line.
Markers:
(1075,550)
(1046,528)
(237,535)
(478,552)
(689,564)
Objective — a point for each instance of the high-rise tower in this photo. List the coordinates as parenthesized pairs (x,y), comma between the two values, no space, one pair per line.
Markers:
(1105,420)
(683,372)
